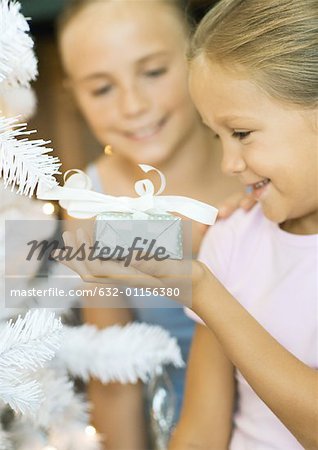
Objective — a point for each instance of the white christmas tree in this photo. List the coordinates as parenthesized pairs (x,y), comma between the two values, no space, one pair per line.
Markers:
(23,162)
(25,345)
(38,356)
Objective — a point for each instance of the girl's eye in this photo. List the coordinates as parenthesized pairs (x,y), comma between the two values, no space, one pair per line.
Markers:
(241,135)
(102,91)
(156,72)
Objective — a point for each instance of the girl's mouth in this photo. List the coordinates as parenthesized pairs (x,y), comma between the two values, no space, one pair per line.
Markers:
(147,132)
(257,189)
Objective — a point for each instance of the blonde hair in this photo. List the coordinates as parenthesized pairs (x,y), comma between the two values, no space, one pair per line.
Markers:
(74,7)
(274,41)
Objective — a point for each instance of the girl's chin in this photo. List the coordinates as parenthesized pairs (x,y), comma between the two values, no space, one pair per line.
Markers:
(152,158)
(274,213)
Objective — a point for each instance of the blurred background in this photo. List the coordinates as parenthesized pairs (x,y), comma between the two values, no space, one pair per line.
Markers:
(57,118)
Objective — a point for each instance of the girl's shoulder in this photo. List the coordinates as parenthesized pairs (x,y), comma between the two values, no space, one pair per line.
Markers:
(240,224)
(92,171)
(248,241)
(228,237)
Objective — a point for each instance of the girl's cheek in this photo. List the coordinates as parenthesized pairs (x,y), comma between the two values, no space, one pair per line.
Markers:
(177,97)
(84,103)
(173,87)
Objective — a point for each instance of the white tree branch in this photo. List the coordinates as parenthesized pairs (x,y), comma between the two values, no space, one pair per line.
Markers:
(124,354)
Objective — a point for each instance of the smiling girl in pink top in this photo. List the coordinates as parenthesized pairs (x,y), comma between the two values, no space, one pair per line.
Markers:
(252,377)
(252,380)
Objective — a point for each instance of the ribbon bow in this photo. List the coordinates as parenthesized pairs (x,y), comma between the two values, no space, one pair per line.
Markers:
(81,202)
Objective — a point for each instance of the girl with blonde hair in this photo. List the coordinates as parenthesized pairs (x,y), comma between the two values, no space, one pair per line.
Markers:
(252,380)
(125,65)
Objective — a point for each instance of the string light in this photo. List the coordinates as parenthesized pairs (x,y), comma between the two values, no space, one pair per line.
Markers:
(48,208)
(90,430)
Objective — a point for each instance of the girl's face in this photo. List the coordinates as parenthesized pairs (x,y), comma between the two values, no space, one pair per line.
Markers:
(270,146)
(126,64)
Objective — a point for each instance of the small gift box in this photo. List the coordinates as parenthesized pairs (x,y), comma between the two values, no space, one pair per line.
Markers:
(151,234)
(121,220)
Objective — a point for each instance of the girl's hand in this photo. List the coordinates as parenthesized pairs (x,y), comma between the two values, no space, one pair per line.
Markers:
(235,201)
(140,273)
(230,205)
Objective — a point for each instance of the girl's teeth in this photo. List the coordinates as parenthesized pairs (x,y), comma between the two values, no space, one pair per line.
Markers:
(146,132)
(260,184)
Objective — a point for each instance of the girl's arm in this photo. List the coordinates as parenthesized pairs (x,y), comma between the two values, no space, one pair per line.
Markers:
(283,382)
(206,418)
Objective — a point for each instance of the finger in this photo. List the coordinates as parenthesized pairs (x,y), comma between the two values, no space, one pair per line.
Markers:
(95,267)
(247,203)
(63,256)
(68,239)
(73,255)
(202,228)
(230,205)
(94,270)
(83,237)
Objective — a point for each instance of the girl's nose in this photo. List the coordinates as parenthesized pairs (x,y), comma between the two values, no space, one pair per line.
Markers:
(133,101)
(232,163)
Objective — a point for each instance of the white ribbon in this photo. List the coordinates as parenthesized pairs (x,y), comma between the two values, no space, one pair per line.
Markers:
(81,202)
